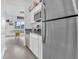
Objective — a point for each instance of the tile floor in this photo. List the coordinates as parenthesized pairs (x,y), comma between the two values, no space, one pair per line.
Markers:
(15,50)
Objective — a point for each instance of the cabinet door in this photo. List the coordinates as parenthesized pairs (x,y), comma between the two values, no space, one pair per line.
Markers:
(58,8)
(34,43)
(61,39)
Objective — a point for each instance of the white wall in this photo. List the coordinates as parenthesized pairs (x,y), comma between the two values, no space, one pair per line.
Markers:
(2,27)
(12,10)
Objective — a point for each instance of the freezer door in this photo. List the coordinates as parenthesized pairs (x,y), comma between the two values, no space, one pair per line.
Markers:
(61,39)
(59,8)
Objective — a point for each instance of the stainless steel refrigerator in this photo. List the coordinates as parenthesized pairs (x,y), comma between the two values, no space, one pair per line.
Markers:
(59,29)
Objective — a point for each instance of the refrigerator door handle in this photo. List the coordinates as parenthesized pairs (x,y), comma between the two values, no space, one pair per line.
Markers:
(44,36)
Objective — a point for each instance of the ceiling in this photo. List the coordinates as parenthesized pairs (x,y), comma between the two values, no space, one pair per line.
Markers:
(12,8)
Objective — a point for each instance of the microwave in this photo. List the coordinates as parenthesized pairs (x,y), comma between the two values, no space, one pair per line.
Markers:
(37,17)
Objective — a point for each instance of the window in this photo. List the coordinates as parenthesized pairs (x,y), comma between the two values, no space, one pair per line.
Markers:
(19,25)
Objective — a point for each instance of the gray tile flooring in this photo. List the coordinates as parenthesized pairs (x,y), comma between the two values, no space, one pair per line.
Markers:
(17,51)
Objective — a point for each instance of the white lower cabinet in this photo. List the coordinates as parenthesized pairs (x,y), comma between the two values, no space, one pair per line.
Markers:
(36,45)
